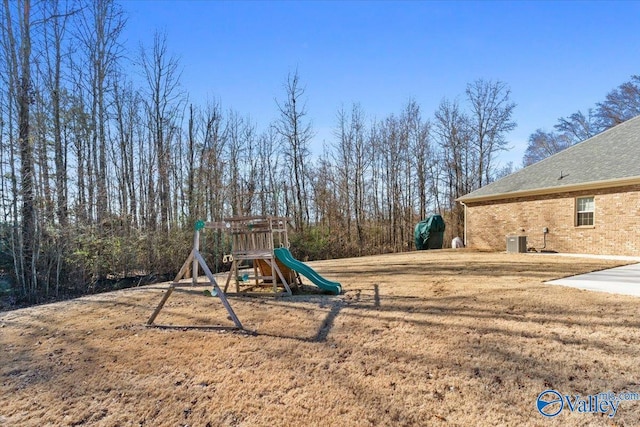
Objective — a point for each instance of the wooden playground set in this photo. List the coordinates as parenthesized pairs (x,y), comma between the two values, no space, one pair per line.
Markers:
(259,242)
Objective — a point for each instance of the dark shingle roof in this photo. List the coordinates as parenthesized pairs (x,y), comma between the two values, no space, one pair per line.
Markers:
(610,156)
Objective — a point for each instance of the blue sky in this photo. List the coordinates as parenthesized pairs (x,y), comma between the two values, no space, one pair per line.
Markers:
(557,57)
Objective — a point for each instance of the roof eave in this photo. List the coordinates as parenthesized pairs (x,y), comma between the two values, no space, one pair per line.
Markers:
(595,185)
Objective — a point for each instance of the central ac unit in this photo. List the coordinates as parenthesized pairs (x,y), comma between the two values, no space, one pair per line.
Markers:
(517,244)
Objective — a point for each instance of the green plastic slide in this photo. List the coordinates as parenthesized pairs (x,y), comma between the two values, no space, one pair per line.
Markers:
(287,259)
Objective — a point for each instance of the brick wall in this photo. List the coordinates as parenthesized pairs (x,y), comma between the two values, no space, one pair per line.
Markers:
(616,230)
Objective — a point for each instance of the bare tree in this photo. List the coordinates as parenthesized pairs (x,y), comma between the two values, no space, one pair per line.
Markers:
(126,103)
(421,154)
(577,127)
(297,134)
(343,158)
(191,154)
(460,158)
(375,193)
(240,144)
(542,145)
(489,121)
(569,130)
(79,119)
(621,104)
(99,31)
(162,76)
(18,48)
(55,28)
(211,187)
(268,156)
(393,148)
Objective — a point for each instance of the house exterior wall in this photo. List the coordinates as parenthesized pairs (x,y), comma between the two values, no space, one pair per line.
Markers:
(616,229)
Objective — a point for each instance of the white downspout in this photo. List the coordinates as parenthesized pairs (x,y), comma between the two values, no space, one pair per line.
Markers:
(464,238)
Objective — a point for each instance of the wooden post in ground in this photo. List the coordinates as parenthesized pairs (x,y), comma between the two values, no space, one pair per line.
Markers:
(196,247)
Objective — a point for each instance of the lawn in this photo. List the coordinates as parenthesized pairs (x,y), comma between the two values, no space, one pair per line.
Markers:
(421,338)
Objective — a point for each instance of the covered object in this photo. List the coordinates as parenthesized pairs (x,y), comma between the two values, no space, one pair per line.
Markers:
(429,233)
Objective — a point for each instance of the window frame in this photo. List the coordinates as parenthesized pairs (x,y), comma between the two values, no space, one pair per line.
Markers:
(577,212)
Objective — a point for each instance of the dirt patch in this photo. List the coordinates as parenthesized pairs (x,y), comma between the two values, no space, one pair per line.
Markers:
(422,338)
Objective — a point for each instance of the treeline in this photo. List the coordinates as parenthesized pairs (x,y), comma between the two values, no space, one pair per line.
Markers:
(619,105)
(103,178)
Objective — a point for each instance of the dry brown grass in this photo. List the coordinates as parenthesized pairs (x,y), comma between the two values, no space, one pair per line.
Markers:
(423,338)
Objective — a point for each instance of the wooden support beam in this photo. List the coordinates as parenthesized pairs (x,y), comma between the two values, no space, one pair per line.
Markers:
(221,294)
(195,259)
(276,269)
(164,299)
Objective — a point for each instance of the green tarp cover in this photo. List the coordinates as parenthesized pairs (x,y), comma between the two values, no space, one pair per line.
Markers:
(428,233)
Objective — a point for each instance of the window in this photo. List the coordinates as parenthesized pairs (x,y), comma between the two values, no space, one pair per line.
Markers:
(585,208)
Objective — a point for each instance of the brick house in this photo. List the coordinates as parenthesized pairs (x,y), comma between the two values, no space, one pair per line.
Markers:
(585,199)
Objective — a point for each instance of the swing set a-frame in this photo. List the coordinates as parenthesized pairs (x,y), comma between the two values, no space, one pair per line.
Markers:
(193,263)
(253,239)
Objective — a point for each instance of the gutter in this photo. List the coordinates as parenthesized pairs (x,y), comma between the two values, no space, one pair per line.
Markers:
(610,183)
